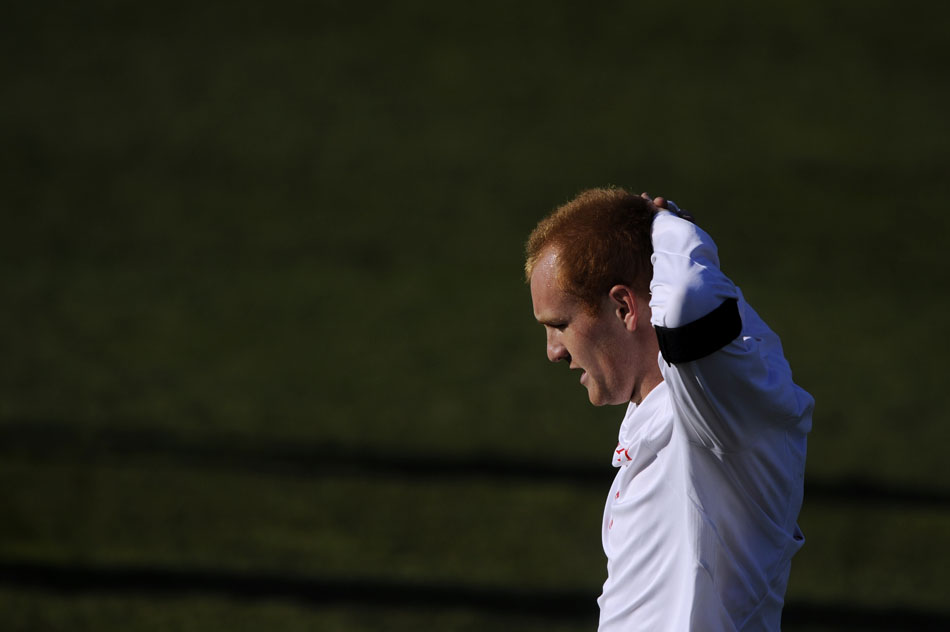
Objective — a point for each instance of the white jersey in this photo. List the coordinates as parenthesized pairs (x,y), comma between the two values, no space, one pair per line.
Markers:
(700,523)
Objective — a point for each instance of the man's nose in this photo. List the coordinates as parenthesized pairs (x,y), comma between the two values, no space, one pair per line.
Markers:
(556,351)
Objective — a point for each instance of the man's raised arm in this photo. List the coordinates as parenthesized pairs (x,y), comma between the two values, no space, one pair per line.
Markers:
(726,368)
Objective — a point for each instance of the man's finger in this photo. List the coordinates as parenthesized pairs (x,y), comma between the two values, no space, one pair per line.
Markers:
(649,200)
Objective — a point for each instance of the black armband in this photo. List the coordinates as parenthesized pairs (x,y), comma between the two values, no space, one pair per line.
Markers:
(701,337)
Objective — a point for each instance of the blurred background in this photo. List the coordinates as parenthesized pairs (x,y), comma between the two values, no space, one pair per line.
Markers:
(268,360)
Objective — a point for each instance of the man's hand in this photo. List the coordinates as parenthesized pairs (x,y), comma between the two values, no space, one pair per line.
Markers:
(658,203)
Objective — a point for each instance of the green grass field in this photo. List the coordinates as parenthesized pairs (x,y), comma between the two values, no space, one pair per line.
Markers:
(257,262)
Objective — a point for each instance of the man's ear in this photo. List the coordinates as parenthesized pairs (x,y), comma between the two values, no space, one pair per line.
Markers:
(624,305)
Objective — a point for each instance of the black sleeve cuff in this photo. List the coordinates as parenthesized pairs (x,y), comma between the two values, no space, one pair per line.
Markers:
(703,336)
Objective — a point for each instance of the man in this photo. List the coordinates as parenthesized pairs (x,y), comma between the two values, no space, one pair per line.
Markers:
(700,523)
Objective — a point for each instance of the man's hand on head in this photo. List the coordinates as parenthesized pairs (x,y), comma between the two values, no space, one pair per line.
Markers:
(658,203)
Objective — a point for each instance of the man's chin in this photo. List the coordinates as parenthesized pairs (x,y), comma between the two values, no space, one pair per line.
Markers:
(596,398)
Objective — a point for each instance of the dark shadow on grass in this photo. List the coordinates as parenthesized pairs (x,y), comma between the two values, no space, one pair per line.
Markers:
(82,579)
(316,592)
(57,442)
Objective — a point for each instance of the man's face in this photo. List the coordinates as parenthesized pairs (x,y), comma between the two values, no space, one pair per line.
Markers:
(598,344)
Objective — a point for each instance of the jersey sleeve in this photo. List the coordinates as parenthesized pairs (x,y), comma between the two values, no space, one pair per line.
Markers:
(726,370)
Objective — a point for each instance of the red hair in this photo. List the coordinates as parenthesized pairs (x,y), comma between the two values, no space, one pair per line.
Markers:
(602,238)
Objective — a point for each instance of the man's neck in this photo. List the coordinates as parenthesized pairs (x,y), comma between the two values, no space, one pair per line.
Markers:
(647,384)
